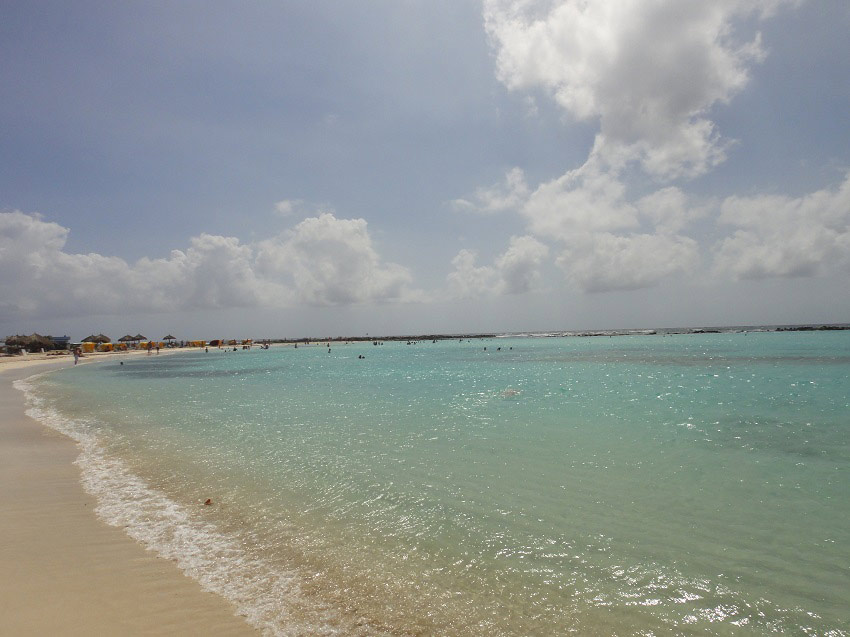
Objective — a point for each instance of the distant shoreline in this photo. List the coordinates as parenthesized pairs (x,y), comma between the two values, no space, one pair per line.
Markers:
(732,329)
(57,355)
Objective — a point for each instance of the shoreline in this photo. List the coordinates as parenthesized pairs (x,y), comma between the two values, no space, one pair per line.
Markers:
(67,571)
(18,361)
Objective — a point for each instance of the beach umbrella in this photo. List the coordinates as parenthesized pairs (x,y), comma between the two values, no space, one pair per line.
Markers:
(18,341)
(99,338)
(170,338)
(31,343)
(139,337)
(37,341)
(126,339)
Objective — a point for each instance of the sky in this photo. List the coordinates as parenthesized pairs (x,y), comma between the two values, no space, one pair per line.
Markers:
(289,169)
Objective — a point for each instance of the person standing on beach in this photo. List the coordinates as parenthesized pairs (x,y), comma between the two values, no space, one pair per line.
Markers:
(76,355)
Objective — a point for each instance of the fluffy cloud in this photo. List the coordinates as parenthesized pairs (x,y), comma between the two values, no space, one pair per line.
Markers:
(286,207)
(605,262)
(509,195)
(332,261)
(587,211)
(581,201)
(468,280)
(324,260)
(669,210)
(601,232)
(219,271)
(786,237)
(519,266)
(37,274)
(516,271)
(648,72)
(299,207)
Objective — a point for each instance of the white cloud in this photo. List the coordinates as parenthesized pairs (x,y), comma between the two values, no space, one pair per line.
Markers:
(582,200)
(287,206)
(36,274)
(605,262)
(509,195)
(519,266)
(669,209)
(469,281)
(214,272)
(588,212)
(786,237)
(301,208)
(648,72)
(323,261)
(332,261)
(516,271)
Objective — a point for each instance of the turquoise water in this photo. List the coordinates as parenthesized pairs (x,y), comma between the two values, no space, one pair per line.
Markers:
(683,484)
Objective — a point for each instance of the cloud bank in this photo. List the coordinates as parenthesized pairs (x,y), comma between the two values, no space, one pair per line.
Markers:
(322,261)
(779,236)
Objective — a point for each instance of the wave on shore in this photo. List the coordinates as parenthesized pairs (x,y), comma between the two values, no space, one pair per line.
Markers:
(218,561)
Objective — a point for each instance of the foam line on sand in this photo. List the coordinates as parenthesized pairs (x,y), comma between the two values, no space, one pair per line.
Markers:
(64,570)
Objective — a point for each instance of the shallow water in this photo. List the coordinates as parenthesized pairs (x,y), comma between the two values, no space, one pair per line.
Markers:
(685,484)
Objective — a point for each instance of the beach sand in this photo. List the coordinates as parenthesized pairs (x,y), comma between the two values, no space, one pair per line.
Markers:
(64,571)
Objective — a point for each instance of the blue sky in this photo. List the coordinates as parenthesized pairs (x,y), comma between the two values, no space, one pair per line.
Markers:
(284,169)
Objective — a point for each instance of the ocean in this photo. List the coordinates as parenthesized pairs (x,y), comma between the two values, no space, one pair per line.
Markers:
(682,484)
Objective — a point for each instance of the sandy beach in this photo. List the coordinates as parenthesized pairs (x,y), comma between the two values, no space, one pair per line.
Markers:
(64,570)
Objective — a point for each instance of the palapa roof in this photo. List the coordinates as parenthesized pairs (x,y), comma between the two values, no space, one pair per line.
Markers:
(99,338)
(20,340)
(126,338)
(169,338)
(139,337)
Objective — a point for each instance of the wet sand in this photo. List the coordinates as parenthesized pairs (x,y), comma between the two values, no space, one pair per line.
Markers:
(64,571)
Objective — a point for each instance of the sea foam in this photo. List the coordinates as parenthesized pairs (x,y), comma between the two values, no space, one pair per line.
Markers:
(262,595)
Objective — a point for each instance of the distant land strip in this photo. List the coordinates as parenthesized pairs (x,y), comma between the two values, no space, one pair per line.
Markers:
(565,333)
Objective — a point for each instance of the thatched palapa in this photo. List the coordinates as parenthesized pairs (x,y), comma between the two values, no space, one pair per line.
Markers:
(99,338)
(32,343)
